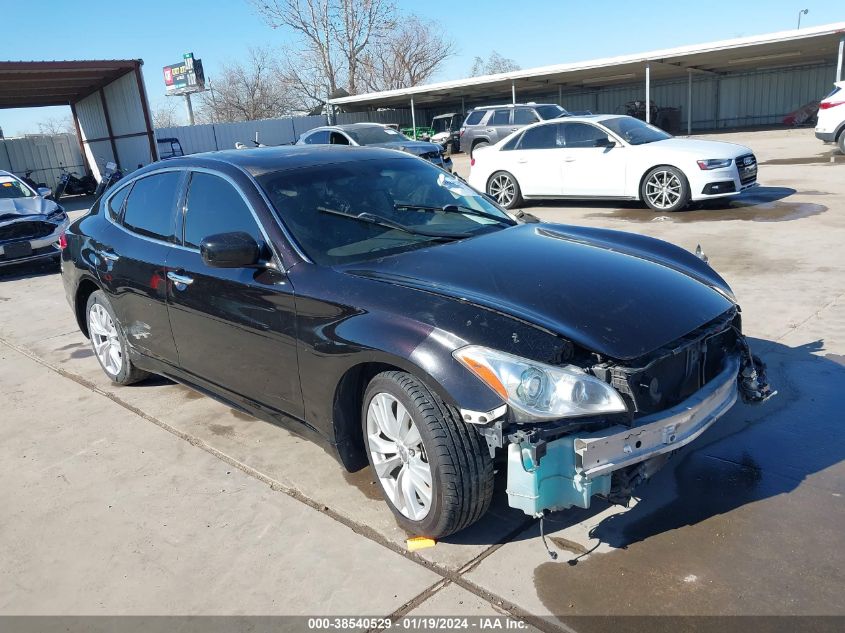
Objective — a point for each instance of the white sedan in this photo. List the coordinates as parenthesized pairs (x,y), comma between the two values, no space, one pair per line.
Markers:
(610,157)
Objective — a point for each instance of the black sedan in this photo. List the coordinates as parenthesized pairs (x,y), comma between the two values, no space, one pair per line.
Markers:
(31,225)
(375,303)
(376,135)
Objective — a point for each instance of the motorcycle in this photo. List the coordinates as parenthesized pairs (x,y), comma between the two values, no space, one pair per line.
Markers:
(72,184)
(28,180)
(110,176)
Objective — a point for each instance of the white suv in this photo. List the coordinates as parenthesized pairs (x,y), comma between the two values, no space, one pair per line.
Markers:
(831,122)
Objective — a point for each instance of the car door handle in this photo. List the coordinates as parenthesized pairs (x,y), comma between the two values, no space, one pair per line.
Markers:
(522,160)
(180,279)
(568,159)
(112,257)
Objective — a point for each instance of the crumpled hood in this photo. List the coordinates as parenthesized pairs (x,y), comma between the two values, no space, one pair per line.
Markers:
(619,294)
(417,148)
(14,208)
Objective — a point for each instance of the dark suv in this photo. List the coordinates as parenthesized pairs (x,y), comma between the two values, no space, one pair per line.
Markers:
(490,124)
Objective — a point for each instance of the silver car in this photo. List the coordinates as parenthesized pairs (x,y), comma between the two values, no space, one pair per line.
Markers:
(490,124)
(31,225)
(376,135)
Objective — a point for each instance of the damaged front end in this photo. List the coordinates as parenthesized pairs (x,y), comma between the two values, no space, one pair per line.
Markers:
(671,397)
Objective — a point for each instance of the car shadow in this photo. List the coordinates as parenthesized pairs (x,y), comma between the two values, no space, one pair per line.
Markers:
(24,270)
(749,455)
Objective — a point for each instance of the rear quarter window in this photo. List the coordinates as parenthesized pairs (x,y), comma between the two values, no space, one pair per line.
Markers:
(475,117)
(115,203)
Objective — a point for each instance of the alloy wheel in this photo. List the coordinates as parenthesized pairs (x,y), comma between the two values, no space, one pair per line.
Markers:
(105,339)
(398,456)
(503,189)
(663,189)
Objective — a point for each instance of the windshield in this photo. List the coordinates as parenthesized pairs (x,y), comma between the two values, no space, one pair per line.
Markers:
(547,112)
(11,187)
(442,125)
(634,131)
(315,204)
(375,134)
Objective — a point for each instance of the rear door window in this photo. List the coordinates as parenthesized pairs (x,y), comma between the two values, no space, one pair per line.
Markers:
(524,116)
(540,137)
(501,117)
(475,117)
(150,209)
(215,206)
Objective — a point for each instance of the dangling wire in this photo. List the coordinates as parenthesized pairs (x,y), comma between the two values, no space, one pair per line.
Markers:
(552,554)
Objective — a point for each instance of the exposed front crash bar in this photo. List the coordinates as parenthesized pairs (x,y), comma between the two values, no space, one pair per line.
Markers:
(577,467)
(669,430)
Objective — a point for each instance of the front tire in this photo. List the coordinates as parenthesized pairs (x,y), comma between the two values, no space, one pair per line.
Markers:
(59,192)
(434,470)
(109,342)
(665,189)
(841,142)
(504,188)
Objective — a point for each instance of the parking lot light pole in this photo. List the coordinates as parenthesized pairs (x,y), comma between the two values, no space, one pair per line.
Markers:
(648,93)
(413,119)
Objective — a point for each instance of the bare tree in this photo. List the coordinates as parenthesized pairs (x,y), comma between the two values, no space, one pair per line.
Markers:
(494,64)
(57,125)
(247,91)
(335,35)
(165,114)
(406,57)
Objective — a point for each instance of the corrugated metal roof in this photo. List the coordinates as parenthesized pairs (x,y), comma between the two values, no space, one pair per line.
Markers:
(808,45)
(60,82)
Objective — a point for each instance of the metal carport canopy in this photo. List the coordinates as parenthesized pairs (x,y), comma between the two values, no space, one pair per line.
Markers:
(107,98)
(785,48)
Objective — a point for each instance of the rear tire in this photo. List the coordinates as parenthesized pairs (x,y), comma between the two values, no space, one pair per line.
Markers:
(109,342)
(665,188)
(841,142)
(504,188)
(434,470)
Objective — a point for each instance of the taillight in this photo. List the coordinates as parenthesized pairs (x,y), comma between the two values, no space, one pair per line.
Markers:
(62,241)
(462,132)
(472,162)
(826,105)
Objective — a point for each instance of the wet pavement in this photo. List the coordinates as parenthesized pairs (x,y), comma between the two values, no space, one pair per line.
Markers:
(749,519)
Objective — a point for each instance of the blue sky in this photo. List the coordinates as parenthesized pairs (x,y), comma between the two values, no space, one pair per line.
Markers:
(532,32)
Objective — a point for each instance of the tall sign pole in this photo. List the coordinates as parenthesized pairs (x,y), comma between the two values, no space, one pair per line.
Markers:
(185,78)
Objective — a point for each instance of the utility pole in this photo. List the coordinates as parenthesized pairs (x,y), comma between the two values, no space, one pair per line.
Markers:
(800,13)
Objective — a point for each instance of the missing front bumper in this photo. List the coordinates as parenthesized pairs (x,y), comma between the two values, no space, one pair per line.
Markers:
(577,467)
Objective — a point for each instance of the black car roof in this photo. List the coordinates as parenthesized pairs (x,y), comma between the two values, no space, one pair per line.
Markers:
(262,160)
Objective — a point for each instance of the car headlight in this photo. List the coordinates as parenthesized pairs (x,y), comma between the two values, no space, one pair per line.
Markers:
(536,391)
(714,163)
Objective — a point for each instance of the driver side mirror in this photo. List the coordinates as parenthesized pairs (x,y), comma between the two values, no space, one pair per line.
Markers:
(44,192)
(607,142)
(230,250)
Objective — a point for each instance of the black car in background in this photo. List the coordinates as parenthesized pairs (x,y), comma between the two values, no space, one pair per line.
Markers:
(376,135)
(31,225)
(377,304)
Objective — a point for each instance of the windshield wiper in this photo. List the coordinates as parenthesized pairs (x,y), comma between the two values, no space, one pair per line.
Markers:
(378,220)
(456,208)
